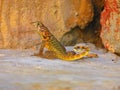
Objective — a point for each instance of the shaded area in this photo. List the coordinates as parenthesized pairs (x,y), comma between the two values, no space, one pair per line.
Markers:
(91,33)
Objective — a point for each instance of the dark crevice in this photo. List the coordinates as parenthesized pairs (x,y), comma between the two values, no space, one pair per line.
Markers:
(72,37)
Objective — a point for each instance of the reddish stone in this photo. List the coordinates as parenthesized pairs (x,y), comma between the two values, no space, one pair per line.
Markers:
(110,21)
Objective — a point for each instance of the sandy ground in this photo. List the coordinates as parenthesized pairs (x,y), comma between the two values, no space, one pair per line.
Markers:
(21,71)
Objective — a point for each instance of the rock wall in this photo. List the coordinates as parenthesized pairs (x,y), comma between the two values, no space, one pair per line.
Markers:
(58,15)
(90,33)
(110,21)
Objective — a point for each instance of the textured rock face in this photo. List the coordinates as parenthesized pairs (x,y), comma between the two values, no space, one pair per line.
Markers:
(58,15)
(110,20)
(90,34)
(81,14)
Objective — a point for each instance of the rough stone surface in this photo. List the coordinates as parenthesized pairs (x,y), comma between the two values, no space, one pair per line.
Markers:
(21,71)
(58,15)
(91,33)
(110,21)
(81,14)
(74,36)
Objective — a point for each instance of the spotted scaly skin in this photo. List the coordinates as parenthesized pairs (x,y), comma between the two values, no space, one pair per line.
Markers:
(52,44)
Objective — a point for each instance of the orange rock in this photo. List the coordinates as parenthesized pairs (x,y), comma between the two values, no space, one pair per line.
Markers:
(81,14)
(58,15)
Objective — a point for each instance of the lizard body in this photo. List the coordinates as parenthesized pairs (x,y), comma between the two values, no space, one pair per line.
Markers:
(52,44)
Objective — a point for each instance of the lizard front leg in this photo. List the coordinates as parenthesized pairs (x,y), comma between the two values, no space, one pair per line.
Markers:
(41,48)
(47,54)
(40,53)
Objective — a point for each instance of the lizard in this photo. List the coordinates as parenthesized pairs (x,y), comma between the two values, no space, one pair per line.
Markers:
(56,49)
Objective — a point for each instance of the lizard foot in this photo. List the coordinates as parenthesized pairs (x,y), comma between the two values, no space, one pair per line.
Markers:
(92,55)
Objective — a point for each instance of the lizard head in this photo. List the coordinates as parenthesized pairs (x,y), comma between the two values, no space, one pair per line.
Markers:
(41,29)
(37,24)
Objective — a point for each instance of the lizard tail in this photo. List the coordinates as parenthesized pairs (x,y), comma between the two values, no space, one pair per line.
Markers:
(73,57)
